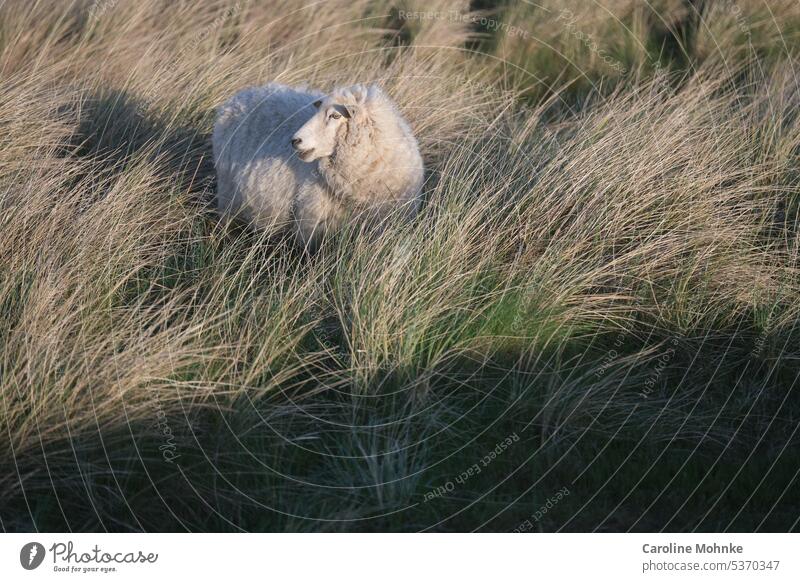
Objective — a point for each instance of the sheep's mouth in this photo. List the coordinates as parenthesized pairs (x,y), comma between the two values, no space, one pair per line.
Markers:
(305,155)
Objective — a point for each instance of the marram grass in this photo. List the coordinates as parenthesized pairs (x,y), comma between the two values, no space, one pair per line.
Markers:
(599,296)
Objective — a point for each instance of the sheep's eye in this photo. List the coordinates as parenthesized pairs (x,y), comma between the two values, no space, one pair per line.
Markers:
(336,115)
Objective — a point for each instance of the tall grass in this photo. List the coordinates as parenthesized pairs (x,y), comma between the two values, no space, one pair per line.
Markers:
(605,267)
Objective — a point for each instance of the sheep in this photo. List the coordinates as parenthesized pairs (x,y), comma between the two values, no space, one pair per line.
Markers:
(297,159)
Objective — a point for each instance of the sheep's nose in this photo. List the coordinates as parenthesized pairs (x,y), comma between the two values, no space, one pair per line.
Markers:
(296,142)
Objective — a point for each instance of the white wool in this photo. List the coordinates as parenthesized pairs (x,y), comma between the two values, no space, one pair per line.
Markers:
(363,159)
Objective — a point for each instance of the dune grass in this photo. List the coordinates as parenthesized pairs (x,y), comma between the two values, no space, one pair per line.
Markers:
(600,295)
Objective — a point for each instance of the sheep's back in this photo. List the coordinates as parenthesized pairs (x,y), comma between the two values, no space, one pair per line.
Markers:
(258,173)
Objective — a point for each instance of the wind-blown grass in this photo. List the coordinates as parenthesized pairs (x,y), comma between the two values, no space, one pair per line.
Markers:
(605,269)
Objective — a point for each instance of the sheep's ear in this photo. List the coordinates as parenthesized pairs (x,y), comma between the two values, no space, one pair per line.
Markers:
(347,110)
(317,103)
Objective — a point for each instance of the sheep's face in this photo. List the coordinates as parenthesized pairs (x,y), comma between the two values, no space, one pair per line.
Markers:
(320,134)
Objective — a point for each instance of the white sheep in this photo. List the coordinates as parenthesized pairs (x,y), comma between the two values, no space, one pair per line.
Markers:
(294,158)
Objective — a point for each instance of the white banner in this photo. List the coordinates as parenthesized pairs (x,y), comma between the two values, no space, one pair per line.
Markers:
(401,557)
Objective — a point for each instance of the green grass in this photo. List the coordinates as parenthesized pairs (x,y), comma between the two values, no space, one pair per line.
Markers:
(604,272)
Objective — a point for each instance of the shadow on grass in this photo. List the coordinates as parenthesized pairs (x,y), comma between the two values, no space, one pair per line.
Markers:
(334,460)
(117,128)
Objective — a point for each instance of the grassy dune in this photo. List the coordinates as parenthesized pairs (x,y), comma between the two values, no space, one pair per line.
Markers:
(592,325)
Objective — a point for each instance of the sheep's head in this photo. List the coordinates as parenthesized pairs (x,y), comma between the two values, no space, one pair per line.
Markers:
(321,134)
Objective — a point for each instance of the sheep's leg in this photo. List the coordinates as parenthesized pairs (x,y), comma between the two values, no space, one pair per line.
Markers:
(316,213)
